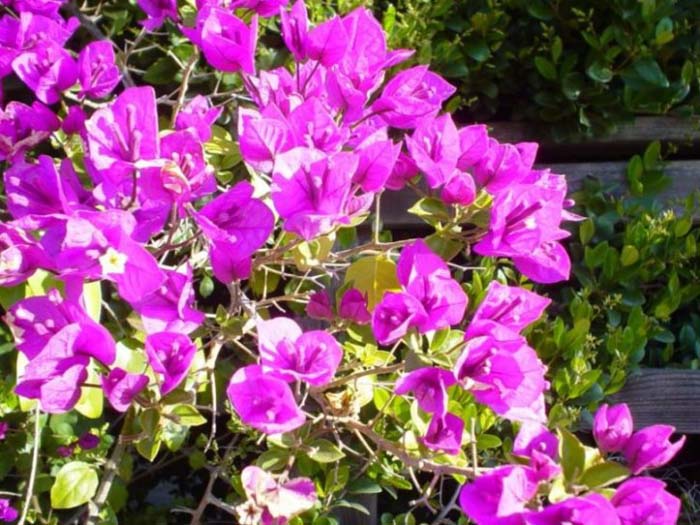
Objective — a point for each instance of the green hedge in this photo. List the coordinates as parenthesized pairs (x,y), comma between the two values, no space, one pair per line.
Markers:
(579,66)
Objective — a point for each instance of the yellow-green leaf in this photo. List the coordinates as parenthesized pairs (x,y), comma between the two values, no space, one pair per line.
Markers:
(323,451)
(91,402)
(373,276)
(75,485)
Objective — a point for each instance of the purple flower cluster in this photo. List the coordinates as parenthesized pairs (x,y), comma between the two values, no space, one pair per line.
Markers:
(508,495)
(496,365)
(270,502)
(261,395)
(329,135)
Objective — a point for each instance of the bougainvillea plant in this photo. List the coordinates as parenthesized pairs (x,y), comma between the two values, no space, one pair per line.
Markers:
(328,360)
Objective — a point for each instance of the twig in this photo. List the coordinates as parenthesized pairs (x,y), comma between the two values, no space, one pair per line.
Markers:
(370,372)
(35,463)
(452,505)
(408,460)
(377,217)
(88,24)
(111,468)
(189,68)
(211,366)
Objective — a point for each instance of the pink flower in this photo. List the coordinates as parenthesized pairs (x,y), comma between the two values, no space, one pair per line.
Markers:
(327,42)
(291,355)
(4,427)
(425,276)
(429,386)
(158,11)
(434,147)
(262,138)
(584,510)
(510,306)
(88,441)
(20,255)
(236,225)
(22,127)
(538,444)
(444,433)
(504,373)
(7,512)
(198,114)
(395,315)
(319,306)
(473,145)
(48,70)
(377,158)
(295,29)
(262,7)
(459,189)
(170,308)
(410,96)
(275,502)
(264,402)
(123,135)
(55,376)
(98,74)
(353,307)
(644,501)
(121,387)
(312,191)
(651,447)
(612,427)
(170,354)
(499,497)
(226,41)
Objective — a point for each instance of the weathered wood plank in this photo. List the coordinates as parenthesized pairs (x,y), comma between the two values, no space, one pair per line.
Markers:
(640,132)
(664,396)
(685,176)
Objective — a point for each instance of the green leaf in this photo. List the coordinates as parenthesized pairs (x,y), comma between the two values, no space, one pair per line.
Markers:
(188,416)
(431,210)
(682,227)
(162,71)
(76,484)
(478,50)
(352,505)
(557,47)
(649,70)
(604,474)
(629,255)
(546,68)
(664,31)
(174,435)
(486,441)
(364,486)
(273,459)
(149,447)
(373,276)
(599,72)
(389,19)
(572,85)
(586,231)
(323,451)
(572,454)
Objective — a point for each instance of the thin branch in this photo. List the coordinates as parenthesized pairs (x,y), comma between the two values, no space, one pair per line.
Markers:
(35,463)
(189,68)
(370,372)
(111,468)
(401,454)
